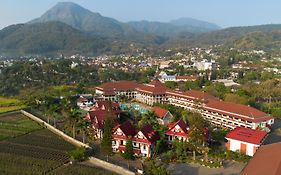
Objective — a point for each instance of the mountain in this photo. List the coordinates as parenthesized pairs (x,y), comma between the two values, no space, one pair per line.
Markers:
(231,37)
(182,25)
(194,25)
(85,20)
(47,38)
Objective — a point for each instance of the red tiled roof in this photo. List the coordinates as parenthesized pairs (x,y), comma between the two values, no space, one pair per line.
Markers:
(181,124)
(160,112)
(118,85)
(266,161)
(149,133)
(100,115)
(237,110)
(127,128)
(247,135)
(192,94)
(154,87)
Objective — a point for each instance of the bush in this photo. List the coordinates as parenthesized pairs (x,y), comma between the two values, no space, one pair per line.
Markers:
(78,154)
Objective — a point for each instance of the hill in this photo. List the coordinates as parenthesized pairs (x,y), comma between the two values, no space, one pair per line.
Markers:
(47,38)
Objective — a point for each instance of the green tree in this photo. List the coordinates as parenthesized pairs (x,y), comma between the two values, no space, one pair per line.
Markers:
(106,143)
(129,154)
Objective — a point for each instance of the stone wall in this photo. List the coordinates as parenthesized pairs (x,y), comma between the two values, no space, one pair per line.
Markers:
(55,130)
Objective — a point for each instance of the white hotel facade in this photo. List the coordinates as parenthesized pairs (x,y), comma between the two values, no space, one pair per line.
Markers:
(217,112)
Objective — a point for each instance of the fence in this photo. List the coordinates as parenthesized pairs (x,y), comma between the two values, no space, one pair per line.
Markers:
(93,161)
(55,130)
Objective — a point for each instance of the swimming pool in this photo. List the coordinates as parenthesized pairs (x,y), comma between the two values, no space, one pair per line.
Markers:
(134,106)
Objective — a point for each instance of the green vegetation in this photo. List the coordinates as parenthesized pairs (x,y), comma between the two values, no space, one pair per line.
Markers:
(10,104)
(106,143)
(80,170)
(78,154)
(15,124)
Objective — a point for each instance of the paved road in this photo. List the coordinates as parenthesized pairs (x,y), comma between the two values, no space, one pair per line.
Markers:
(230,168)
(274,136)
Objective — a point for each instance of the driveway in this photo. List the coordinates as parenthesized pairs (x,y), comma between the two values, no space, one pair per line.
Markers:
(230,168)
(275,135)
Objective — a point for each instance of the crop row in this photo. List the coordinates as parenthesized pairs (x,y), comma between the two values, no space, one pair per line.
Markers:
(15,164)
(50,141)
(33,151)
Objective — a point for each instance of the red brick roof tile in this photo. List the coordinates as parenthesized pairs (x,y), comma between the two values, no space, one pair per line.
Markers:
(160,112)
(247,135)
(237,110)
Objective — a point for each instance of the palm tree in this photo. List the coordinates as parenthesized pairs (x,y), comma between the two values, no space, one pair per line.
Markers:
(73,120)
(84,128)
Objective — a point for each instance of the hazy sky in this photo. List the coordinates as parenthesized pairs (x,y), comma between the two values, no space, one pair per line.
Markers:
(222,12)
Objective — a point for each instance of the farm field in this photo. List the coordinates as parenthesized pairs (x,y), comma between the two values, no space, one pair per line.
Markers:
(10,104)
(15,124)
(27,148)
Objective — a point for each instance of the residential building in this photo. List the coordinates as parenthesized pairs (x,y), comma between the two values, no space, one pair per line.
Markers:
(154,92)
(178,130)
(220,113)
(232,115)
(245,140)
(98,114)
(121,133)
(267,160)
(112,90)
(145,141)
(190,100)
(206,65)
(164,116)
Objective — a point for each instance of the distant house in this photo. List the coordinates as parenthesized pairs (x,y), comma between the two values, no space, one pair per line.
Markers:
(164,116)
(85,100)
(245,140)
(266,161)
(178,130)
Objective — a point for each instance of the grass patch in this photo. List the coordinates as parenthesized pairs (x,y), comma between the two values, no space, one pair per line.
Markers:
(10,104)
(12,125)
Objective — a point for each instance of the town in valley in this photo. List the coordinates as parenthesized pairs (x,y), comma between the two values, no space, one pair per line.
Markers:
(156,98)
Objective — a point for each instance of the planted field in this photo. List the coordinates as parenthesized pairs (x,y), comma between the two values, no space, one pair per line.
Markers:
(15,124)
(80,170)
(26,148)
(10,104)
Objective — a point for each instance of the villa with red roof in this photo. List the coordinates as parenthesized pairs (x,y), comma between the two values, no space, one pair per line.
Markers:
(111,90)
(121,133)
(178,130)
(143,141)
(164,116)
(154,92)
(98,114)
(245,140)
(232,115)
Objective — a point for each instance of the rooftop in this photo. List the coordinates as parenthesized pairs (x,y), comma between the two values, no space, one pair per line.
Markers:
(247,135)
(267,160)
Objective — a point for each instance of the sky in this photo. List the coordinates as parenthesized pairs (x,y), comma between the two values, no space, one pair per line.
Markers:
(225,13)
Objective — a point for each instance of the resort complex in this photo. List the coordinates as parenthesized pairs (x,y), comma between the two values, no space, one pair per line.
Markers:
(217,112)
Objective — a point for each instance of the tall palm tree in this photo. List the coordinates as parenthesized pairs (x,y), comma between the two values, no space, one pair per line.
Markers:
(73,120)
(84,128)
